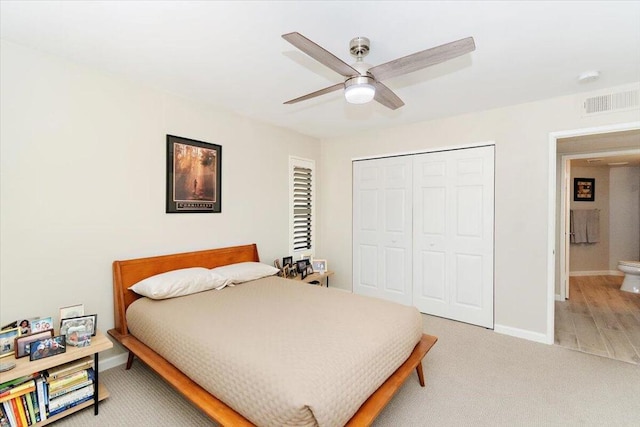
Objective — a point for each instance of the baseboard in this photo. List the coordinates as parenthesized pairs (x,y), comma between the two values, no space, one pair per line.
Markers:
(596,273)
(112,362)
(522,333)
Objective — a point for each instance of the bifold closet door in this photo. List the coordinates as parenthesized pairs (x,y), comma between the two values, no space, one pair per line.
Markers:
(382,223)
(453,234)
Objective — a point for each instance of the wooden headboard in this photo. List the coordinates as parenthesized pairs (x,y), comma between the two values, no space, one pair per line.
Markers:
(130,272)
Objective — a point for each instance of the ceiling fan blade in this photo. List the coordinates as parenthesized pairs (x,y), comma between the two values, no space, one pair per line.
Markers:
(317,93)
(423,59)
(386,97)
(320,54)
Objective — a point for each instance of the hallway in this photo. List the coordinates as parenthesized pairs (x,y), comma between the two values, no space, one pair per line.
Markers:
(599,319)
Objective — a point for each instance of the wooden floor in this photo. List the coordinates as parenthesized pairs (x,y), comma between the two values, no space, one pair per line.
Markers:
(600,319)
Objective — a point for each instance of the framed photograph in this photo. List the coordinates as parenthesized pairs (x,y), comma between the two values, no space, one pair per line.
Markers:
(25,325)
(288,260)
(584,189)
(78,338)
(80,324)
(72,311)
(319,265)
(193,176)
(303,273)
(23,342)
(8,341)
(47,347)
(40,325)
(301,266)
(11,325)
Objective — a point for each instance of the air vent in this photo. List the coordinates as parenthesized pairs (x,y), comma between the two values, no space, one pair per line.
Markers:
(618,101)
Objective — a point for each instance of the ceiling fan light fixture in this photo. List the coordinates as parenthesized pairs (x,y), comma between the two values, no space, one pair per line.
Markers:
(359,90)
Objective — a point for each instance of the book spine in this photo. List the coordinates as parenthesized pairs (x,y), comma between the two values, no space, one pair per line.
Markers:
(34,403)
(54,374)
(59,383)
(71,388)
(17,406)
(41,403)
(9,411)
(4,418)
(70,397)
(71,405)
(19,390)
(26,409)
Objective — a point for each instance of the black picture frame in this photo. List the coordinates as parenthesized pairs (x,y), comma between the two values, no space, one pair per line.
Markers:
(301,266)
(189,191)
(288,260)
(87,323)
(47,347)
(584,189)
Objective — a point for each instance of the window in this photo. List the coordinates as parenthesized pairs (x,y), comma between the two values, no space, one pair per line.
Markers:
(301,202)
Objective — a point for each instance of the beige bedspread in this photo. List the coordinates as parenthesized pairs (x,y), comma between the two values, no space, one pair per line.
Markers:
(281,352)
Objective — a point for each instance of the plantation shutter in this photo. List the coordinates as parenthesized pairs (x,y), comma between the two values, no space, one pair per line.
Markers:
(302,208)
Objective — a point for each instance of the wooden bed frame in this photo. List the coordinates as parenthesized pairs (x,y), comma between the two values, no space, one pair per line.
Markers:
(129,272)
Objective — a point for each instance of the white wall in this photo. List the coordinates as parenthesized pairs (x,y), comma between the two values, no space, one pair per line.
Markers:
(83,159)
(624,200)
(521,133)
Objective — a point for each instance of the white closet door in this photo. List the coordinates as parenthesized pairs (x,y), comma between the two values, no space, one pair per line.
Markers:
(453,234)
(382,249)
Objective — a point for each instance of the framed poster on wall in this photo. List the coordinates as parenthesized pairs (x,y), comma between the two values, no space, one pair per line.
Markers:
(193,176)
(584,189)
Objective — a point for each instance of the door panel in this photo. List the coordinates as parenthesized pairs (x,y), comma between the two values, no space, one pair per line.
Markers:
(383,200)
(454,217)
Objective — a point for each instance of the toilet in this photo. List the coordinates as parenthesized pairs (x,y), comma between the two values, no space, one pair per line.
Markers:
(631,270)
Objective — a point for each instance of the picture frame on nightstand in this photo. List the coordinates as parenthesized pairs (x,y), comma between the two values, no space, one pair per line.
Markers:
(319,265)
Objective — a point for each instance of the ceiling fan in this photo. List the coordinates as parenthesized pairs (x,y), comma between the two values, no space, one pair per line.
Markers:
(363,82)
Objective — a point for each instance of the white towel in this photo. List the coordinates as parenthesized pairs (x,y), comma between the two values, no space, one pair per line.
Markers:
(579,226)
(593,226)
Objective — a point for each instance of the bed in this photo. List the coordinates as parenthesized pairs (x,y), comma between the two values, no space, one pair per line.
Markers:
(268,386)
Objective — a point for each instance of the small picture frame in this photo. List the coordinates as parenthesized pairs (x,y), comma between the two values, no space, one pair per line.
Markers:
(301,266)
(319,265)
(40,325)
(288,260)
(86,323)
(25,325)
(23,342)
(303,273)
(584,189)
(8,341)
(78,338)
(47,347)
(72,311)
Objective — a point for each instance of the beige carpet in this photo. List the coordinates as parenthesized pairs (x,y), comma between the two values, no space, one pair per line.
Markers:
(474,376)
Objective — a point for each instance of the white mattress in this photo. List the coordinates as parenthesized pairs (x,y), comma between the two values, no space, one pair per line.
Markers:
(281,352)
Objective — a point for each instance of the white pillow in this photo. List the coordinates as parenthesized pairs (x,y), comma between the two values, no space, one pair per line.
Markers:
(245,271)
(178,283)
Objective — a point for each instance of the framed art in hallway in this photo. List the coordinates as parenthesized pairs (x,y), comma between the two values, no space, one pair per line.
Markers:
(584,189)
(193,176)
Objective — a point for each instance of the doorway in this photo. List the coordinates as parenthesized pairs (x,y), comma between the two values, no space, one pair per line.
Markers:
(556,261)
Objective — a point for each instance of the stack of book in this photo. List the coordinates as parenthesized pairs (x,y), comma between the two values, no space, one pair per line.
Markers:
(69,385)
(20,403)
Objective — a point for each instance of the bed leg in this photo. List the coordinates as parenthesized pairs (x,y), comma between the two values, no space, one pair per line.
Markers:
(130,360)
(420,374)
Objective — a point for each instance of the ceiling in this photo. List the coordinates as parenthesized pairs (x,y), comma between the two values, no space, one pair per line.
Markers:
(231,54)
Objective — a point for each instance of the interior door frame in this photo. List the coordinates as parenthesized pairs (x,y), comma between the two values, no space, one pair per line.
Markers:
(565,203)
(551,231)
